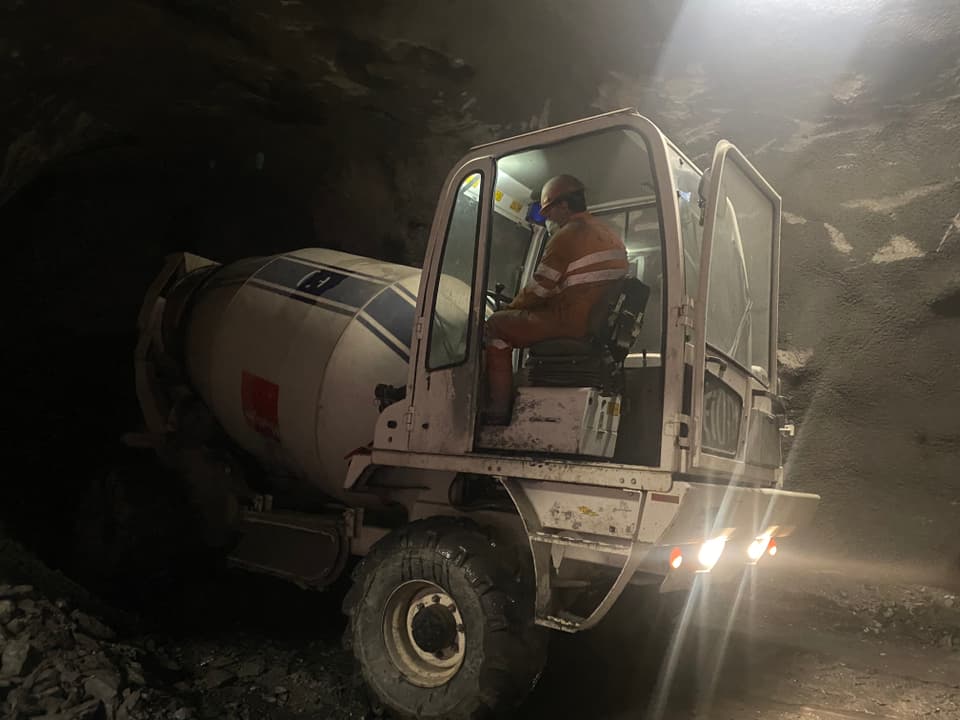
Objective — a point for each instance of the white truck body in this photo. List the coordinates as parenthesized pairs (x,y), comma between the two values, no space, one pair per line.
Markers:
(285,353)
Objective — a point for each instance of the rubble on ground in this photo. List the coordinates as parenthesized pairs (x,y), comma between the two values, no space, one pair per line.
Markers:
(64,655)
(59,663)
(238,680)
(926,614)
(931,617)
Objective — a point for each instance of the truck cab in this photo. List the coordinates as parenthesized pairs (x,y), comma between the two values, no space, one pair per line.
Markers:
(699,389)
(685,450)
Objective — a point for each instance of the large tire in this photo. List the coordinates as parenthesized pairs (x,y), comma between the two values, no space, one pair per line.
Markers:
(441,623)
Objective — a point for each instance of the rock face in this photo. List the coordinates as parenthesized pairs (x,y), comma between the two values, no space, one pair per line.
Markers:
(251,127)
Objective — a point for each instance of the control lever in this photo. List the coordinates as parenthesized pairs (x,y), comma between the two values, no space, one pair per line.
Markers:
(499,299)
(498,288)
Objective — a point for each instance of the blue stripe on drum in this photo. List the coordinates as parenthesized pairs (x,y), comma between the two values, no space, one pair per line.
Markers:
(319,282)
(402,352)
(345,271)
(394,313)
(300,298)
(403,291)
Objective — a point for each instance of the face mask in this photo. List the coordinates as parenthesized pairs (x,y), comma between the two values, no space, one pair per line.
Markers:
(552,227)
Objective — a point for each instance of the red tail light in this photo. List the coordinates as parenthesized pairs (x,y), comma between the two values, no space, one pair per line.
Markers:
(676,558)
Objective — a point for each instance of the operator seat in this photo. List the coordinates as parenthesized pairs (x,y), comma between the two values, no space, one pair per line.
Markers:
(594,360)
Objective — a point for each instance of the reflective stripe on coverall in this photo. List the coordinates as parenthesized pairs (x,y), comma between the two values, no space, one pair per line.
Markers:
(579,263)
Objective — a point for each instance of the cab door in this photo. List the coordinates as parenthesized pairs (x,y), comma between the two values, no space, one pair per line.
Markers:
(446,377)
(734,362)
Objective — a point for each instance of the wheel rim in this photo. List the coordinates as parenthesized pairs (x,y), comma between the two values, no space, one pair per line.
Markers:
(424,633)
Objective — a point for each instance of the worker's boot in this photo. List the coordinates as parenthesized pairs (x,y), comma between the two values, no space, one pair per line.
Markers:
(499,401)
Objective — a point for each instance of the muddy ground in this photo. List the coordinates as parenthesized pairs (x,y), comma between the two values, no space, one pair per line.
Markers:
(803,639)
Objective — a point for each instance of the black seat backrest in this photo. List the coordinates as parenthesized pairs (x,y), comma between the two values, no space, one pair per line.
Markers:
(616,320)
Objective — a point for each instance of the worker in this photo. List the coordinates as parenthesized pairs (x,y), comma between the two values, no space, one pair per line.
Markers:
(582,258)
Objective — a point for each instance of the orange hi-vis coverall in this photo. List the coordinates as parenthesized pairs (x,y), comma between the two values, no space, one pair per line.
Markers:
(579,263)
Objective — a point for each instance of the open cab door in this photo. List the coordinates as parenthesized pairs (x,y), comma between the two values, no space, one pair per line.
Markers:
(452,299)
(734,429)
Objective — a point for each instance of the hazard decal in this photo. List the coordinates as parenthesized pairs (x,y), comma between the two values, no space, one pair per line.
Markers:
(260,398)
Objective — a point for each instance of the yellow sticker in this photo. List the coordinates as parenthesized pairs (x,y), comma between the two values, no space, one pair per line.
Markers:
(584,510)
(516,205)
(498,195)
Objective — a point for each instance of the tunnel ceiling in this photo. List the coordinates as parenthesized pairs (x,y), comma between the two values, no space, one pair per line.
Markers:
(132,129)
(339,99)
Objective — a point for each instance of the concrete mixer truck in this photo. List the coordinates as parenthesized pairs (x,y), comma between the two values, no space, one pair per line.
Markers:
(321,405)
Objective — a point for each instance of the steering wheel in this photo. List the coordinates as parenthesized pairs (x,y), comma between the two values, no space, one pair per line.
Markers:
(497,296)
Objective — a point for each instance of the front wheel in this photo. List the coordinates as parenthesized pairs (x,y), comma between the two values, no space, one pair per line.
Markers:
(441,622)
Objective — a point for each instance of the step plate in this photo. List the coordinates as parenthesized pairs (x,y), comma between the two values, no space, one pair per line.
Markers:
(308,550)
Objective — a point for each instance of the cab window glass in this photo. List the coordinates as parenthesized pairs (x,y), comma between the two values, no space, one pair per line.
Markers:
(738,302)
(449,330)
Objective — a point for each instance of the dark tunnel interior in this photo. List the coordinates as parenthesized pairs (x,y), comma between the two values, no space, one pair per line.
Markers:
(133,129)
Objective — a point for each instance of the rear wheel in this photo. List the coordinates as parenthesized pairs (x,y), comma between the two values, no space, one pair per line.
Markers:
(441,622)
(124,527)
(136,534)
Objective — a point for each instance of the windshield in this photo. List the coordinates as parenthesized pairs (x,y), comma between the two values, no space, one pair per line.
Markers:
(741,267)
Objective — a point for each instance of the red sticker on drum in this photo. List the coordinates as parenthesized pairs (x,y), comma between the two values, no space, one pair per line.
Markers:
(260,399)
